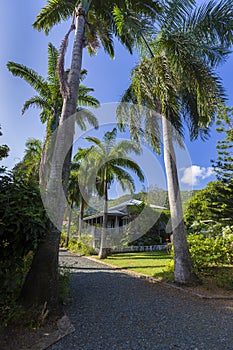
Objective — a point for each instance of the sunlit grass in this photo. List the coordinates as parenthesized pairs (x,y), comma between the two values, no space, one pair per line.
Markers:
(152,264)
(160,265)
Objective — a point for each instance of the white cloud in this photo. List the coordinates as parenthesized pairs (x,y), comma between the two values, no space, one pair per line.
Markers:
(194,174)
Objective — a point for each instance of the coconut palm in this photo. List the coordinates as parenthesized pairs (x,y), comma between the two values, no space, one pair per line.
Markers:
(178,82)
(110,160)
(49,99)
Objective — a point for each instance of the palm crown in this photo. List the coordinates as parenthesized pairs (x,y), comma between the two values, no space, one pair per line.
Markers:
(49,98)
(178,77)
(104,20)
(110,158)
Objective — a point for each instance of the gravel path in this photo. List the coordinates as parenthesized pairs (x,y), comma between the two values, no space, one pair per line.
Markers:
(114,311)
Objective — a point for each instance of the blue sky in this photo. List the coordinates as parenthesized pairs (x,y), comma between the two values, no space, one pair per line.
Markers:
(22,44)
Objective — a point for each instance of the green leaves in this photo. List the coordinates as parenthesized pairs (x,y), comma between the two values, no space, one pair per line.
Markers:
(30,76)
(178,79)
(53,13)
(49,99)
(108,160)
(224,164)
(124,19)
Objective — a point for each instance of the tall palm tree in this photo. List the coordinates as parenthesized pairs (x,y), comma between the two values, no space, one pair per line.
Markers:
(73,196)
(75,185)
(94,21)
(178,82)
(28,167)
(110,163)
(49,99)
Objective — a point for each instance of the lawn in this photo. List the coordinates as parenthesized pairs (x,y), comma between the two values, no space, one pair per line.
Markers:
(148,263)
(159,265)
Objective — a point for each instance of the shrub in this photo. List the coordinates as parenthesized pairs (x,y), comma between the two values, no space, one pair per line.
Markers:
(210,251)
(82,245)
(63,240)
(22,227)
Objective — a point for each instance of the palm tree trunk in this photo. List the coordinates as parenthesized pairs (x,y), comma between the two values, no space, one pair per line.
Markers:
(103,249)
(45,265)
(69,225)
(81,213)
(183,271)
(41,283)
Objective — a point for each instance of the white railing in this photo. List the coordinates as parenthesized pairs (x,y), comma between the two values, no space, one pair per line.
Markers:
(134,248)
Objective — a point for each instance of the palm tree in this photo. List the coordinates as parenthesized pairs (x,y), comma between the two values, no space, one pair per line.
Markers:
(73,196)
(177,81)
(94,22)
(75,185)
(110,160)
(28,167)
(49,99)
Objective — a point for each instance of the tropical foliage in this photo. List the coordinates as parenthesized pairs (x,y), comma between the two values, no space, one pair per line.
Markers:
(28,167)
(176,82)
(109,159)
(49,99)
(4,150)
(23,225)
(224,164)
(212,203)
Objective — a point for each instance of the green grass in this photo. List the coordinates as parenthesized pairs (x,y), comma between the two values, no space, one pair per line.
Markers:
(155,264)
(160,265)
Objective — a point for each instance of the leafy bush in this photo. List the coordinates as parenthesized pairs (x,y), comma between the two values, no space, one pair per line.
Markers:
(209,251)
(82,245)
(23,222)
(63,240)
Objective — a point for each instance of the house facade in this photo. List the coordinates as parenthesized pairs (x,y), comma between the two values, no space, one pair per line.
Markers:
(120,224)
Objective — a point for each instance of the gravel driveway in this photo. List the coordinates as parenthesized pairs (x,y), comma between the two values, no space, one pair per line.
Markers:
(111,310)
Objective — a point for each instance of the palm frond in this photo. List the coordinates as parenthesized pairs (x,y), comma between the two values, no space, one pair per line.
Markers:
(124,147)
(54,12)
(30,76)
(131,165)
(96,141)
(84,115)
(213,21)
(175,12)
(123,177)
(52,64)
(84,99)
(106,38)
(38,102)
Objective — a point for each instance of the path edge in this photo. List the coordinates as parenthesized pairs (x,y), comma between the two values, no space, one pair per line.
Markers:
(155,280)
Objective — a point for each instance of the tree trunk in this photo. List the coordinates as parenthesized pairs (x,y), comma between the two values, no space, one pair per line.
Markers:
(81,213)
(103,249)
(183,271)
(41,283)
(48,146)
(69,224)
(44,270)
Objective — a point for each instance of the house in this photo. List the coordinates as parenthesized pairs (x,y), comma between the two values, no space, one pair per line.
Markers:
(118,220)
